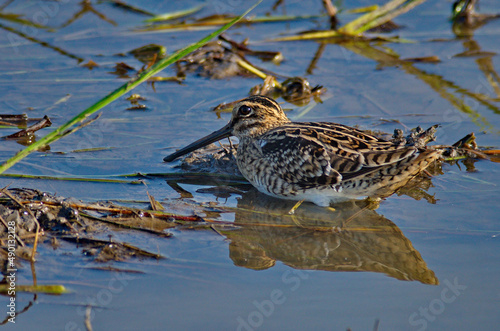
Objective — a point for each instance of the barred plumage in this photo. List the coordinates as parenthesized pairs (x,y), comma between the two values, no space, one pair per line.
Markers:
(318,162)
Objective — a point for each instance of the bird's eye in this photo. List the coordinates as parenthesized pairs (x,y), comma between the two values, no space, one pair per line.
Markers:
(245,110)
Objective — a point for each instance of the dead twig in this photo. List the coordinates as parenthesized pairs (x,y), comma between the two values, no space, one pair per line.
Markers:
(124,211)
(155,205)
(44,122)
(120,225)
(331,10)
(99,242)
(84,124)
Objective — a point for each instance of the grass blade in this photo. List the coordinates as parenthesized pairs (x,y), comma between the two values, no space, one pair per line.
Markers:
(215,21)
(45,289)
(177,14)
(77,179)
(386,17)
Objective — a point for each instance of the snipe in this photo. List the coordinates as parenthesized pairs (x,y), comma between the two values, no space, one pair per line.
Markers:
(313,161)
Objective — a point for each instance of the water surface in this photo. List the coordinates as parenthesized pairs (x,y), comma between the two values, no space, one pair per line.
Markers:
(431,266)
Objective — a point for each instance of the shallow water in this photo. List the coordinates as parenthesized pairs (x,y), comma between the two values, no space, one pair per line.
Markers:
(290,277)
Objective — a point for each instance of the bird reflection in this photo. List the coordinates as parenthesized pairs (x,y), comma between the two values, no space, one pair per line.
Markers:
(353,237)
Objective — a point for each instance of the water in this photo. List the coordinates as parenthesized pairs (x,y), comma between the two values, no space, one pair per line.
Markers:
(262,278)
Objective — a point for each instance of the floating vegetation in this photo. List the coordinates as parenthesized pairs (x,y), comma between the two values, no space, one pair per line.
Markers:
(175,15)
(464,15)
(223,59)
(379,17)
(295,90)
(212,60)
(149,53)
(80,223)
(75,179)
(211,21)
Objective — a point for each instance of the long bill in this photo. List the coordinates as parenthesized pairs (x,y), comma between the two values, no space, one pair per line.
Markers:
(225,132)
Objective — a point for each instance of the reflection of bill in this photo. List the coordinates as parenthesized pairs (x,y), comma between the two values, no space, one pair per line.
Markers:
(351,238)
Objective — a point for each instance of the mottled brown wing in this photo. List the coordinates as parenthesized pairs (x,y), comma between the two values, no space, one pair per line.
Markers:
(348,142)
(312,154)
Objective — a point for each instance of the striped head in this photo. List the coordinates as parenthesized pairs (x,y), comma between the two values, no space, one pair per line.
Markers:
(252,117)
(256,115)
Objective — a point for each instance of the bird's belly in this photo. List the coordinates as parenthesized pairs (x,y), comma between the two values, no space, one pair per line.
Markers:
(265,178)
(321,196)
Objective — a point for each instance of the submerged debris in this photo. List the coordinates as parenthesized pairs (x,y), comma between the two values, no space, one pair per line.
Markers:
(295,90)
(90,65)
(465,148)
(386,27)
(464,13)
(212,60)
(466,20)
(149,53)
(222,59)
(27,135)
(122,69)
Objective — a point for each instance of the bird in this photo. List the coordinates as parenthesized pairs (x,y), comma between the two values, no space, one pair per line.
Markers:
(319,162)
